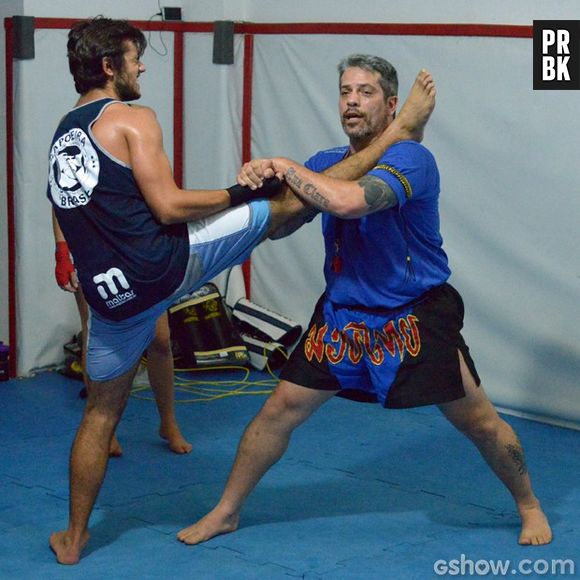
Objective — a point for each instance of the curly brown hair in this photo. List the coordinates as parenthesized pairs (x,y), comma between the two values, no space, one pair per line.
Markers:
(89,41)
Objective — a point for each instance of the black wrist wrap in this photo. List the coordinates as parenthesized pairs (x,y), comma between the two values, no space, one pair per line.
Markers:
(242,193)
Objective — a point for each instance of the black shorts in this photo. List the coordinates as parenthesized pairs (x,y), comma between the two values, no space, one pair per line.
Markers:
(400,358)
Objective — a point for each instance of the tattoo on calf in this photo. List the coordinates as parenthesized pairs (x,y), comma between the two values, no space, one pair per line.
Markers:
(378,195)
(517,455)
(308,189)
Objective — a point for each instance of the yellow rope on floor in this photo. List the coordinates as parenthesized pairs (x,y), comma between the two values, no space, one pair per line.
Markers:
(204,390)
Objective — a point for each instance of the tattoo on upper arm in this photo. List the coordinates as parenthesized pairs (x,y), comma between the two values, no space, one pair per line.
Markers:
(307,189)
(378,194)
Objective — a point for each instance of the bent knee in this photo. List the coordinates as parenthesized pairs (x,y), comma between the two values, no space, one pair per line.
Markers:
(283,407)
(159,347)
(481,427)
(278,406)
(102,419)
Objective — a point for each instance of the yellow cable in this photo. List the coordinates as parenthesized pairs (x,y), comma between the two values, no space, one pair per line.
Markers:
(206,393)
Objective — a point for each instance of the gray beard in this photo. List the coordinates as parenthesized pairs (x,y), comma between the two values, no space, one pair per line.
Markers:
(359,137)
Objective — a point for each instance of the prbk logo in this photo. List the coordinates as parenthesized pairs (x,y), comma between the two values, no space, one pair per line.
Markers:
(556,54)
(74,169)
(108,284)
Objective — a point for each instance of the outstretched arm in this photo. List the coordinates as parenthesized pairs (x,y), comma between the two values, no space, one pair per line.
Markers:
(343,198)
(133,135)
(154,175)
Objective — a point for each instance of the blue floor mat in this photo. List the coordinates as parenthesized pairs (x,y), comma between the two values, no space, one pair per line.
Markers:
(362,493)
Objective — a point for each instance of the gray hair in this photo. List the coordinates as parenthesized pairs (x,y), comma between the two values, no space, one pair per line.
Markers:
(388,73)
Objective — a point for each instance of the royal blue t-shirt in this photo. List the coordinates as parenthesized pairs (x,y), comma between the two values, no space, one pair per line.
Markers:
(391,257)
(126,260)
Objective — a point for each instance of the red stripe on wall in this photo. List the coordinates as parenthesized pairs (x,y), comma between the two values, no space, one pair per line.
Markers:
(247,132)
(498,30)
(178,108)
(12,334)
(374,28)
(247,98)
(173,26)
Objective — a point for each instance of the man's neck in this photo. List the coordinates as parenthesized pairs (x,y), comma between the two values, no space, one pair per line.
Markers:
(356,146)
(96,94)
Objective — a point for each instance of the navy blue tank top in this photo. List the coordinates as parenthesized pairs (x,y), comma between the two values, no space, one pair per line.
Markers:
(126,260)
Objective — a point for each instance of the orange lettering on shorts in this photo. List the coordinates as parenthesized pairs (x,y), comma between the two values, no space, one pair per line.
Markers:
(390,339)
(356,343)
(335,355)
(412,339)
(314,344)
(376,353)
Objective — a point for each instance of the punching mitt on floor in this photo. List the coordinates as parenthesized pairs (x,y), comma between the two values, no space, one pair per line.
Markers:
(203,332)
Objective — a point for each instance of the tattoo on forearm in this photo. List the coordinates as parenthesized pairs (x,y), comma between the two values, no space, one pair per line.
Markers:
(378,195)
(517,455)
(306,189)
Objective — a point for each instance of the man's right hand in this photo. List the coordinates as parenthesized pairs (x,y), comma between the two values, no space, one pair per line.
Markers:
(253,173)
(64,270)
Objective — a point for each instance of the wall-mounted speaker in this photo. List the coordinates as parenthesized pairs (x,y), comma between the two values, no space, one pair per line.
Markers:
(223,42)
(23,35)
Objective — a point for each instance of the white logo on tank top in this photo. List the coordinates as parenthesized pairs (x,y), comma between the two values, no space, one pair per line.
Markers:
(73,169)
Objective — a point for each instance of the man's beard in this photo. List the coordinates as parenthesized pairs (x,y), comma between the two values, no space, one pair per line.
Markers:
(125,90)
(366,132)
(359,134)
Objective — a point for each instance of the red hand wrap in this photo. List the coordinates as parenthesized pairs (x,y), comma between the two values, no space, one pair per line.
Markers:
(64,266)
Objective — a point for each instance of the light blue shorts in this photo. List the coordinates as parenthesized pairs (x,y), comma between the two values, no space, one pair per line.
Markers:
(215,243)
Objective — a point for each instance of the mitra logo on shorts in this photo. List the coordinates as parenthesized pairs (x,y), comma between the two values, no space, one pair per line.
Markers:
(108,287)
(556,54)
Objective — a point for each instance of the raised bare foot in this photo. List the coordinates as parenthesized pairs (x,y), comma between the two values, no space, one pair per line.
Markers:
(417,109)
(211,525)
(176,441)
(115,449)
(536,529)
(67,552)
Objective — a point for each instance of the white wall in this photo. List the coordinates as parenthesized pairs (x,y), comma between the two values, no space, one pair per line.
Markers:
(508,206)
(414,11)
(129,9)
(464,11)
(509,210)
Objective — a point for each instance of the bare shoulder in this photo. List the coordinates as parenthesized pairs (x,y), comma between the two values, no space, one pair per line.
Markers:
(129,113)
(134,121)
(123,129)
